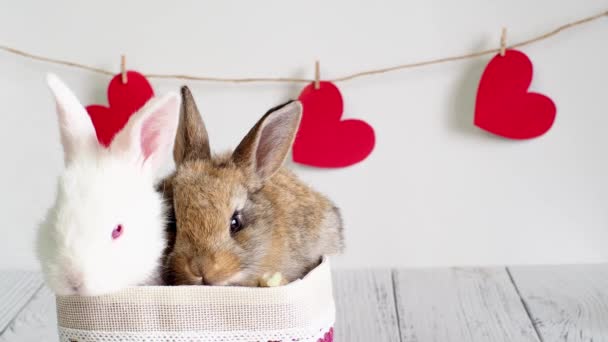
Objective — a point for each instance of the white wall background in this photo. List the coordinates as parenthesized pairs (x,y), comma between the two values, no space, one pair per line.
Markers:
(436,190)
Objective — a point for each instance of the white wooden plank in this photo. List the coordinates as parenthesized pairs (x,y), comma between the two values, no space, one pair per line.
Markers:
(16,289)
(567,303)
(473,305)
(36,322)
(365,306)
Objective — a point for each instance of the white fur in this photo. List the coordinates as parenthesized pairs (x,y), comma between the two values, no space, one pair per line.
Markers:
(99,189)
(77,131)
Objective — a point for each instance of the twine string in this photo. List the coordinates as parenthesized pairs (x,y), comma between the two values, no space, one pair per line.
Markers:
(349,77)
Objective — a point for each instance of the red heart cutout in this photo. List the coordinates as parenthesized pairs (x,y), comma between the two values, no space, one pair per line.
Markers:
(323,140)
(124,100)
(504,106)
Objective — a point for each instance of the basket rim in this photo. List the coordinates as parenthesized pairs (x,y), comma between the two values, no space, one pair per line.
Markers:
(304,303)
(313,275)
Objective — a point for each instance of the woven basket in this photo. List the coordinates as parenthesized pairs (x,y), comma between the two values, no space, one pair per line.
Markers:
(300,311)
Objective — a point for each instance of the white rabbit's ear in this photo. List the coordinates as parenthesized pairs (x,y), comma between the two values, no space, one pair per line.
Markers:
(75,125)
(148,135)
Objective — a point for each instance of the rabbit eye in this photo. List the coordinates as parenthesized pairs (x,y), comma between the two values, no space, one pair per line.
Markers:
(236,223)
(117,232)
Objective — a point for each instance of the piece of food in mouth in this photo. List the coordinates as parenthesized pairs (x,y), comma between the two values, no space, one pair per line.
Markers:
(271,279)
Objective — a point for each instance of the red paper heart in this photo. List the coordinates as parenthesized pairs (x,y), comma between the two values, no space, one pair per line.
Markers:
(123,100)
(504,106)
(324,140)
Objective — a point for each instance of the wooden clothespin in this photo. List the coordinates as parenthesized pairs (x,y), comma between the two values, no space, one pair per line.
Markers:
(123,68)
(503,41)
(317,76)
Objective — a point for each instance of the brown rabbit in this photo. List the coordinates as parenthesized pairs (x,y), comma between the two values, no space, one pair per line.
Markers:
(242,215)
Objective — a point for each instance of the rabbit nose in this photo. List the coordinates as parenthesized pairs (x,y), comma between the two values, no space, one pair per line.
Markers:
(77,289)
(74,281)
(196,270)
(207,269)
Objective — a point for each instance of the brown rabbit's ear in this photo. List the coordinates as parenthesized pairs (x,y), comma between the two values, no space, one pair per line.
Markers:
(191,140)
(262,152)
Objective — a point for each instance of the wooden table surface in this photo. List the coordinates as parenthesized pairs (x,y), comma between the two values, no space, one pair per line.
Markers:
(528,303)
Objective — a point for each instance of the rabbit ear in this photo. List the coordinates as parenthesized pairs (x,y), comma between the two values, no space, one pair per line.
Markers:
(192,140)
(75,125)
(147,136)
(262,152)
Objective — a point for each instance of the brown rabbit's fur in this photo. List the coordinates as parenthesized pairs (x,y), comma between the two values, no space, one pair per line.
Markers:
(287,225)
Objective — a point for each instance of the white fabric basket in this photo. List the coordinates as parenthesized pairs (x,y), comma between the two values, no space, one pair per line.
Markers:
(300,311)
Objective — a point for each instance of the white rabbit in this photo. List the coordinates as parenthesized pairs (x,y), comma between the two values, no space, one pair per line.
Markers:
(106,230)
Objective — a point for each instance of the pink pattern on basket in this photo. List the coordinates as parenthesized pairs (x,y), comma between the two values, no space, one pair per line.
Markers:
(328,337)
